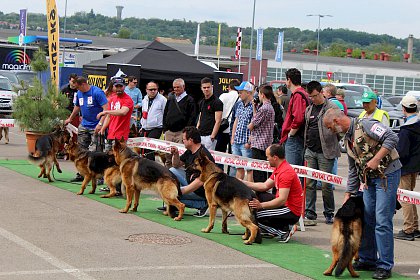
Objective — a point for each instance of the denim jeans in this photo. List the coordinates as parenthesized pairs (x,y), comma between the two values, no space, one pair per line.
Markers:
(319,162)
(377,245)
(294,150)
(240,150)
(191,200)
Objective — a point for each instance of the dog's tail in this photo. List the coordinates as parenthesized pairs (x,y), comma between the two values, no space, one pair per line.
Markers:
(346,253)
(37,159)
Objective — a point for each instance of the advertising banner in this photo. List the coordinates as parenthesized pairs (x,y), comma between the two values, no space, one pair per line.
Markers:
(53,40)
(222,80)
(279,51)
(122,70)
(15,58)
(259,44)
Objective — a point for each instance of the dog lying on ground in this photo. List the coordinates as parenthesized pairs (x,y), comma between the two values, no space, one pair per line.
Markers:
(46,148)
(229,194)
(140,173)
(91,165)
(346,236)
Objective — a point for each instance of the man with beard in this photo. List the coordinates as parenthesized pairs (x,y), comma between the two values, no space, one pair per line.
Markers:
(118,115)
(373,166)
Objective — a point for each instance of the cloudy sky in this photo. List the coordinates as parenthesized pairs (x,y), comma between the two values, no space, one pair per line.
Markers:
(396,18)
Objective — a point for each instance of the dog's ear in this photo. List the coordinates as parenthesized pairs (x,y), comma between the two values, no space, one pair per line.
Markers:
(122,140)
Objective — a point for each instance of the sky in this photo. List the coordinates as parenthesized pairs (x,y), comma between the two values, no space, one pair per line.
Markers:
(395,18)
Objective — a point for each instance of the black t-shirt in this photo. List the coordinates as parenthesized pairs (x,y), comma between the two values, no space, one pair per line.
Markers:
(313,141)
(69,92)
(208,108)
(188,159)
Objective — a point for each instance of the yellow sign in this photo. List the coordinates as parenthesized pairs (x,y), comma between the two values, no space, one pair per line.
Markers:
(97,80)
(53,40)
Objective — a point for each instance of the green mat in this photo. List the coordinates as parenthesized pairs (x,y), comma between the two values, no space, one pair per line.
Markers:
(294,256)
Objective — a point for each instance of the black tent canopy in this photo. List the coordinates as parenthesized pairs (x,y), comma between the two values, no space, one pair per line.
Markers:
(158,62)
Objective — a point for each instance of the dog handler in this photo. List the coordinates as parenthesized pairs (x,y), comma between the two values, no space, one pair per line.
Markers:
(277,214)
(374,166)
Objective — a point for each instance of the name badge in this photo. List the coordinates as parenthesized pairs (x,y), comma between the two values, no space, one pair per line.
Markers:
(81,101)
(89,100)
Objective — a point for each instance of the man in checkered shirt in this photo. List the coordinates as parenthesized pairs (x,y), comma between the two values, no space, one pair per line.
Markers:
(261,126)
(241,144)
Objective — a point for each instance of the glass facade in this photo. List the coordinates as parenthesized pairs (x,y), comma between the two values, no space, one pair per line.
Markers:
(389,85)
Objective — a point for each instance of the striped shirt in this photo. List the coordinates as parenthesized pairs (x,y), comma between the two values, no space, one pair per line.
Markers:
(263,120)
(243,114)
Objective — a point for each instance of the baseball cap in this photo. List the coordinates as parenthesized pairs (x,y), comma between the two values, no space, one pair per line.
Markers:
(118,81)
(409,101)
(369,96)
(245,86)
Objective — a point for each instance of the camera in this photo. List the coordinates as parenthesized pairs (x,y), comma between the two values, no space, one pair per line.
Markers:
(256,100)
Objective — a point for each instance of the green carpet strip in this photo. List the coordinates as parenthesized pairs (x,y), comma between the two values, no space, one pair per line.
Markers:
(301,258)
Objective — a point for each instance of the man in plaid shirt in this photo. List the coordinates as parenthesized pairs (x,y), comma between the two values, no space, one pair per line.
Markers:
(240,141)
(261,126)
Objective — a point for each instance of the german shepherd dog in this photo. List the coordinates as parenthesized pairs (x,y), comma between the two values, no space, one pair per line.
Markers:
(140,173)
(346,236)
(91,165)
(230,194)
(46,148)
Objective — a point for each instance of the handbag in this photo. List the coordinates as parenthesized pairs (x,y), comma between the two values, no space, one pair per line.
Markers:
(224,124)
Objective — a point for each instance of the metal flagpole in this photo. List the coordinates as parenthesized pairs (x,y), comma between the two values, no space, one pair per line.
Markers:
(64,33)
(250,46)
(218,47)
(24,44)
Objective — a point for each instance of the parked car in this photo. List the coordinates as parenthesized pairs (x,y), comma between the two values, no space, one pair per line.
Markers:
(354,87)
(16,77)
(394,100)
(6,96)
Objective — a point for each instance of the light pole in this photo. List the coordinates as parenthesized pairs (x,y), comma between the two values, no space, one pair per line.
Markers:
(64,33)
(250,46)
(317,43)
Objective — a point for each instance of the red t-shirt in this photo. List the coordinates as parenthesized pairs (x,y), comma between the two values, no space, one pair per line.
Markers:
(285,177)
(119,126)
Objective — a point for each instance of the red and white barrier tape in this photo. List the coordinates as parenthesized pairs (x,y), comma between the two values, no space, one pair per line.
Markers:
(243,162)
(7,123)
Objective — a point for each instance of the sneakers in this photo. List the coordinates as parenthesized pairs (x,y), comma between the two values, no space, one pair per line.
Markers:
(329,220)
(404,236)
(162,208)
(359,266)
(381,273)
(104,189)
(286,236)
(309,222)
(416,233)
(78,178)
(202,212)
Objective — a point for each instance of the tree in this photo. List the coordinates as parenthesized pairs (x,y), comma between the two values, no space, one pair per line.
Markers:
(124,33)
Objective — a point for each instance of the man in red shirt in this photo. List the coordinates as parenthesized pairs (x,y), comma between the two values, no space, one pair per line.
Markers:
(118,114)
(278,213)
(294,123)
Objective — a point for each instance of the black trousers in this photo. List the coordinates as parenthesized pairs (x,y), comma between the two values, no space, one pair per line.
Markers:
(152,133)
(259,176)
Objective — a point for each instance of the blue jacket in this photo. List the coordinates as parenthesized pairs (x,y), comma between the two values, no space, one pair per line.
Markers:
(409,146)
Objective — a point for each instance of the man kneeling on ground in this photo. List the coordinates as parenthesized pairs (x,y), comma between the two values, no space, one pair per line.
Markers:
(193,194)
(278,213)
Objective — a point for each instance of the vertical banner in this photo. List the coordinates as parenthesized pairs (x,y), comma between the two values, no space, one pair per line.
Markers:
(197,42)
(238,44)
(218,40)
(53,40)
(259,44)
(221,80)
(22,26)
(279,51)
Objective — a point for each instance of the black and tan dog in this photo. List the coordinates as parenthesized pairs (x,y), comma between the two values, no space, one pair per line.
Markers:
(91,165)
(46,148)
(229,194)
(140,173)
(346,236)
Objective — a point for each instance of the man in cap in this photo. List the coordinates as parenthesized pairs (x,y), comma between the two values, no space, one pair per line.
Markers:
(373,166)
(118,115)
(371,111)
(241,142)
(409,150)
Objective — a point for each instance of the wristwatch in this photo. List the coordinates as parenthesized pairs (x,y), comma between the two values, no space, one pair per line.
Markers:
(101,124)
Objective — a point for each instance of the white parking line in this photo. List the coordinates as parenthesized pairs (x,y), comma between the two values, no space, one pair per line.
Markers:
(63,266)
(138,268)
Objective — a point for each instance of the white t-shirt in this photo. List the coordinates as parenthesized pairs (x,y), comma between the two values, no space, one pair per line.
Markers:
(228,99)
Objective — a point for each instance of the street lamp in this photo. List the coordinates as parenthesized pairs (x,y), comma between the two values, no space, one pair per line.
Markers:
(317,43)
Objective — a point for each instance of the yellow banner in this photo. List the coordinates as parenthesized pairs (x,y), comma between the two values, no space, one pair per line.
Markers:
(53,40)
(97,80)
(218,41)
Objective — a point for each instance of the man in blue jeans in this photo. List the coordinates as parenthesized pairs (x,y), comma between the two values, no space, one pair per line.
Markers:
(373,166)
(193,194)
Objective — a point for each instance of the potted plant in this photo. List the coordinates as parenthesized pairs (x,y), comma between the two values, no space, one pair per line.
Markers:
(39,110)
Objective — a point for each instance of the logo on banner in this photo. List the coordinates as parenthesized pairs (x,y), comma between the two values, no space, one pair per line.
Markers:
(329,75)
(97,80)
(15,59)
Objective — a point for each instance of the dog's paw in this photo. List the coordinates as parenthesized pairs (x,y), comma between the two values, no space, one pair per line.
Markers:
(59,170)
(80,193)
(327,273)
(91,192)
(177,218)
(244,237)
(123,210)
(248,242)
(165,213)
(205,230)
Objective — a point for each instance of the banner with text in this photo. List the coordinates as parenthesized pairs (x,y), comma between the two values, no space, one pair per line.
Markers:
(221,80)
(123,70)
(53,40)
(259,44)
(279,51)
